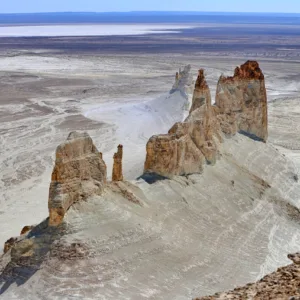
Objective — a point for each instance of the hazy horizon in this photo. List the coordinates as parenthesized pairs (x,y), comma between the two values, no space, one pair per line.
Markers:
(157,12)
(255,6)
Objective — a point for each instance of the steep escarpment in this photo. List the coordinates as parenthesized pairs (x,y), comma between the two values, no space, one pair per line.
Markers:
(280,285)
(241,106)
(79,172)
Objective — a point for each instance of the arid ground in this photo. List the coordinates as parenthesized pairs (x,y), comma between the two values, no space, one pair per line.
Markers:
(115,88)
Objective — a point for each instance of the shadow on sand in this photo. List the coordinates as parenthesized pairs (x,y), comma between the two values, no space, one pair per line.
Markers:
(152,177)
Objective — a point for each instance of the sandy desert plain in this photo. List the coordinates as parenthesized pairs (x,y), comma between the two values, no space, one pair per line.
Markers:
(117,89)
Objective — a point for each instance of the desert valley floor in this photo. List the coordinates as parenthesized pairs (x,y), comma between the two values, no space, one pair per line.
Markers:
(124,98)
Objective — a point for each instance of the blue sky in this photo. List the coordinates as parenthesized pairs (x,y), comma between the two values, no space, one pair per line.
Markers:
(17,6)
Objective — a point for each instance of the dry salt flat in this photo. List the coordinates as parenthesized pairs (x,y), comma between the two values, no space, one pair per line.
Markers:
(88,30)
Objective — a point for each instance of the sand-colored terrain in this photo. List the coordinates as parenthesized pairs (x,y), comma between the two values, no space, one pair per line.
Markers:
(182,243)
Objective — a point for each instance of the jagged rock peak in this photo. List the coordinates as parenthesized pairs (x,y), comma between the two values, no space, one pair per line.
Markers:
(79,172)
(201,95)
(249,70)
(201,81)
(117,174)
(189,144)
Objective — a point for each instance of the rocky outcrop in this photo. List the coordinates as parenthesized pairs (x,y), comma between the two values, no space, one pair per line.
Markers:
(26,229)
(188,145)
(201,94)
(241,106)
(22,249)
(242,102)
(9,244)
(182,151)
(183,81)
(117,173)
(282,284)
(79,172)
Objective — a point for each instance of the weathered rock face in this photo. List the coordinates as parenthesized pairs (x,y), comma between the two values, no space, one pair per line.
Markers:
(201,94)
(282,284)
(241,106)
(9,244)
(117,174)
(182,151)
(188,145)
(79,172)
(242,102)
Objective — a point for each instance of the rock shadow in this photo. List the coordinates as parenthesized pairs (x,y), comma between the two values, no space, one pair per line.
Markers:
(152,177)
(251,136)
(28,254)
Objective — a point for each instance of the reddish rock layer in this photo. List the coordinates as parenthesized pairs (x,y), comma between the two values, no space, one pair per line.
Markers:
(249,70)
(26,229)
(201,81)
(201,94)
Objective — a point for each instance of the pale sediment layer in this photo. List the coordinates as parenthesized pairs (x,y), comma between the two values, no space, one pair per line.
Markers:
(165,220)
(185,226)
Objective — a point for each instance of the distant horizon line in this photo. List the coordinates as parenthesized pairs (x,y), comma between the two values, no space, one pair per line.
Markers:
(153,12)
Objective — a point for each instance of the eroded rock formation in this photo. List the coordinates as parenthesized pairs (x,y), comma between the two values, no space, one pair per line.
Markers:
(241,106)
(183,81)
(242,101)
(201,94)
(282,284)
(117,173)
(188,145)
(79,172)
